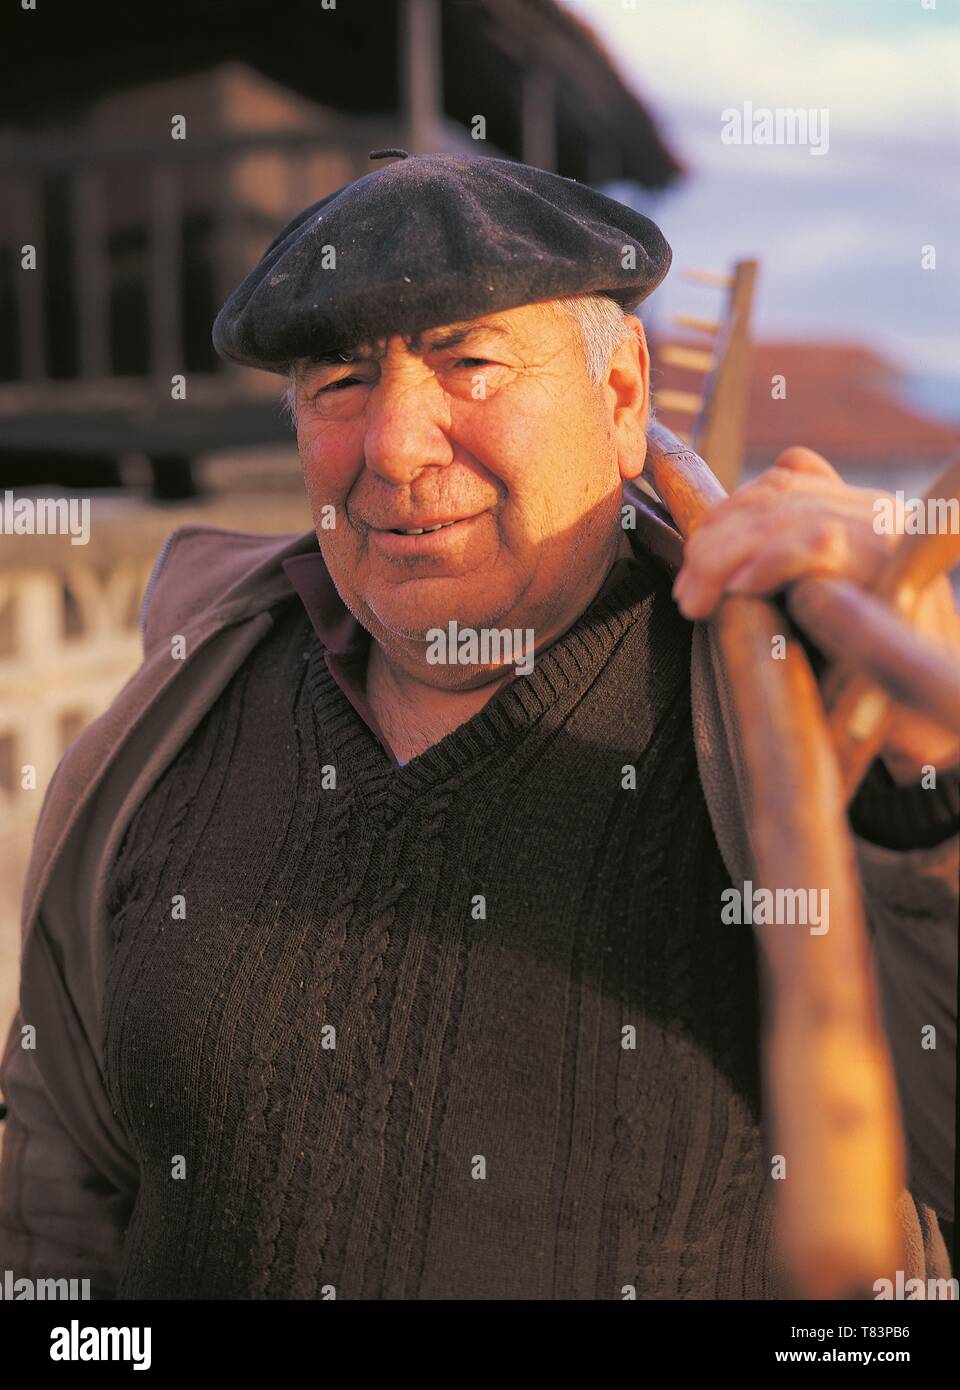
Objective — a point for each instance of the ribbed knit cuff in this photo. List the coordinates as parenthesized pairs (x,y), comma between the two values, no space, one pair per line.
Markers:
(906,817)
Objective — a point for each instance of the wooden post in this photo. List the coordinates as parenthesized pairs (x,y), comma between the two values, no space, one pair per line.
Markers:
(29,231)
(539,119)
(420,74)
(163,296)
(91,273)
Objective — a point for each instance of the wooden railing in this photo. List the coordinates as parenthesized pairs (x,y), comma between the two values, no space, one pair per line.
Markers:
(161,182)
(68,640)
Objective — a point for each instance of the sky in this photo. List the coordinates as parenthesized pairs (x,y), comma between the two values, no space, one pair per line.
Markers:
(839,234)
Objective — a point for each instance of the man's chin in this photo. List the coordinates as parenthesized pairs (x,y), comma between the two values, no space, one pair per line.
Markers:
(414,618)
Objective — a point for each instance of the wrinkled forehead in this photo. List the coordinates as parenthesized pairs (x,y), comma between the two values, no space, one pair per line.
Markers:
(510,326)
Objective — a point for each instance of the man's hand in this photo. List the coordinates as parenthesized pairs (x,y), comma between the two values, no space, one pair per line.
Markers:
(800,518)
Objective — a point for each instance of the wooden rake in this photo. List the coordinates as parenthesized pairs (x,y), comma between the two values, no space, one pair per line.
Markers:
(830,1096)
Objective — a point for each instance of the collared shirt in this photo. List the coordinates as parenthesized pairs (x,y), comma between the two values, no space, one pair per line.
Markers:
(346,642)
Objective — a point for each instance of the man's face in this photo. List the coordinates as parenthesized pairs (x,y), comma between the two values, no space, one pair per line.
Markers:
(493,427)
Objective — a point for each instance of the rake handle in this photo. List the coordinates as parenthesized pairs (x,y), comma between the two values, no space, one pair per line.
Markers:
(831,1098)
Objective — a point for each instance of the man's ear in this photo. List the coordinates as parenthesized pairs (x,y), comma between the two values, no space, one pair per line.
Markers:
(628,385)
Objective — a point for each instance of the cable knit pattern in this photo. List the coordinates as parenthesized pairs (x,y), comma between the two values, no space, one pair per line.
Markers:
(378,1091)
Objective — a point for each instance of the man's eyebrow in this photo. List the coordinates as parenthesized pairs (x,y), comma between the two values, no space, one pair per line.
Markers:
(438,340)
(457,334)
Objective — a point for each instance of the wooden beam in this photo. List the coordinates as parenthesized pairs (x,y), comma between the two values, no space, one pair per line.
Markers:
(708,277)
(421,80)
(710,326)
(29,230)
(91,272)
(539,119)
(722,431)
(690,359)
(686,402)
(874,645)
(163,280)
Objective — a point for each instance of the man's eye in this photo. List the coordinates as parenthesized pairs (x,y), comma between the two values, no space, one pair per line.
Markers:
(339,384)
(473,362)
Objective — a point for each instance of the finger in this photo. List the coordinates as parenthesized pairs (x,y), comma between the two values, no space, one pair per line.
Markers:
(827,527)
(824,546)
(768,502)
(774,484)
(777,563)
(799,459)
(711,555)
(742,556)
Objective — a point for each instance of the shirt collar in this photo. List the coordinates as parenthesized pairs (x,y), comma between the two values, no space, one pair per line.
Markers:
(332,620)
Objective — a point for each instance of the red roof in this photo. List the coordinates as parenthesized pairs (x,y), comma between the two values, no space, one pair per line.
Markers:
(842,400)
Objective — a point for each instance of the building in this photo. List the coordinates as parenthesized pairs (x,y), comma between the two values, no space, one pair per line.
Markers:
(139,238)
(153,174)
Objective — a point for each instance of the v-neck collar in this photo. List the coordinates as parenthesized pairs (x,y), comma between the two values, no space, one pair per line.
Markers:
(346,642)
(575,658)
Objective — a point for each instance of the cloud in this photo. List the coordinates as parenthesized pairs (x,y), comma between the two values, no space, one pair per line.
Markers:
(876,67)
(838,236)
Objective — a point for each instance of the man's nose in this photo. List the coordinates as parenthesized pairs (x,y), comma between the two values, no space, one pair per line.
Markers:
(406,426)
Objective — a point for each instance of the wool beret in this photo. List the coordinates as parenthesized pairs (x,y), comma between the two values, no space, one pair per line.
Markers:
(431,240)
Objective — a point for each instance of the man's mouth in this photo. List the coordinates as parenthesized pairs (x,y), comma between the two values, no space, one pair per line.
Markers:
(433,539)
(423,530)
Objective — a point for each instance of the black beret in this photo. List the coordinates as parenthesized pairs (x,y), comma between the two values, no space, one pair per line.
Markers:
(430,240)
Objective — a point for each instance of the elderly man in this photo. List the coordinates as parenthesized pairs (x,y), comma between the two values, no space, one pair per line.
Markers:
(373,941)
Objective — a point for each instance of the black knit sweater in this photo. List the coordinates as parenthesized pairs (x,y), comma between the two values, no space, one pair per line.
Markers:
(470,1028)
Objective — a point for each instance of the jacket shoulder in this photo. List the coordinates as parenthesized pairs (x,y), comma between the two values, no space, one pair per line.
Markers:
(200,568)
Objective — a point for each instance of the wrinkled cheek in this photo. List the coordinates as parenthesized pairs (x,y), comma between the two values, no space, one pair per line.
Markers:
(329,472)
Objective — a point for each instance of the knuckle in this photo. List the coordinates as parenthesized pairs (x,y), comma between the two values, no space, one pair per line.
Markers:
(827,540)
(785,479)
(771,482)
(795,455)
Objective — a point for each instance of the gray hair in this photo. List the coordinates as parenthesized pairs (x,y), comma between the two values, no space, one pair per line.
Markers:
(602,326)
